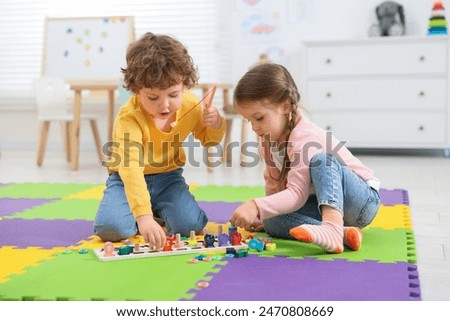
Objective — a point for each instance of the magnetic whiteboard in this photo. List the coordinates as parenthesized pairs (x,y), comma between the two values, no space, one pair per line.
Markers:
(86,48)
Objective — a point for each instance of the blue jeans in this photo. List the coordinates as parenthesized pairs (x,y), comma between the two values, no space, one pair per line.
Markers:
(171,203)
(336,186)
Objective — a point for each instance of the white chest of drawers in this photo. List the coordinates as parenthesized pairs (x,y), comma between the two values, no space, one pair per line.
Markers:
(388,92)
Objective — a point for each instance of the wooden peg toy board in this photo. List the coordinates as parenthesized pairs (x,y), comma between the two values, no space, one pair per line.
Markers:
(145,252)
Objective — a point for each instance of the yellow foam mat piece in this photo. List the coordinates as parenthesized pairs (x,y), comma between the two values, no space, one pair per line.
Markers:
(94,242)
(193,186)
(15,261)
(95,193)
(392,217)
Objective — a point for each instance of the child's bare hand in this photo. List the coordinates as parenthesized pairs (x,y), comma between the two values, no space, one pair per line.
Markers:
(245,216)
(255,227)
(151,231)
(212,118)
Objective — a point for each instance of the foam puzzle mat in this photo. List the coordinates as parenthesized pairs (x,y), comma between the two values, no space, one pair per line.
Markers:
(43,227)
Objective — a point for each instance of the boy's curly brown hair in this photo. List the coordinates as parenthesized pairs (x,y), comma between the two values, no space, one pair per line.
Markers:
(158,61)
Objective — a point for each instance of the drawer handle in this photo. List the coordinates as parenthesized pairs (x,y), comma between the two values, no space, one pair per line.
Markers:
(421,128)
(421,93)
(328,61)
(422,58)
(328,95)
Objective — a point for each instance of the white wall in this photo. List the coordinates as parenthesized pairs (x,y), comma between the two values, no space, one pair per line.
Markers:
(319,20)
(323,19)
(19,127)
(193,22)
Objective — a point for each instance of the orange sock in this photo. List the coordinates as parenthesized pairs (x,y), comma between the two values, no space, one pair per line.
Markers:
(353,237)
(328,236)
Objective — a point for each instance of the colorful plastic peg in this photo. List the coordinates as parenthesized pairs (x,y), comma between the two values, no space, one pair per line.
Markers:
(209,240)
(256,245)
(231,230)
(224,239)
(169,243)
(108,249)
(178,244)
(236,238)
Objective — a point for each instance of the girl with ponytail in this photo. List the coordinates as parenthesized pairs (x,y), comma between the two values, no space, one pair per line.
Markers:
(317,191)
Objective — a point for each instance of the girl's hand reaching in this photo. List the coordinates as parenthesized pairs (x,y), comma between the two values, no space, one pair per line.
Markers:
(256,227)
(246,216)
(151,231)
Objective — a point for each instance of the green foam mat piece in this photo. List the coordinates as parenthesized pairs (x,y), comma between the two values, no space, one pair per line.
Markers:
(68,209)
(31,190)
(227,193)
(82,277)
(385,246)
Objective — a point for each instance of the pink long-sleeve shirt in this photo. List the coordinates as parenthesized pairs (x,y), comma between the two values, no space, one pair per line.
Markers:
(305,140)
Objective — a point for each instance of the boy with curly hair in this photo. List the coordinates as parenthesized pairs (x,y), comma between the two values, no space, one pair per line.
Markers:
(145,189)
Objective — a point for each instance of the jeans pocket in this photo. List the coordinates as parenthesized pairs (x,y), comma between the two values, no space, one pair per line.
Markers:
(369,211)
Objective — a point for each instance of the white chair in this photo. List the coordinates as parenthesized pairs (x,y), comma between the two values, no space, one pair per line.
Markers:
(52,105)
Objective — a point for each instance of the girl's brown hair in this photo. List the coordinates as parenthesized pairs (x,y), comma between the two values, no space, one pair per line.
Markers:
(158,61)
(272,84)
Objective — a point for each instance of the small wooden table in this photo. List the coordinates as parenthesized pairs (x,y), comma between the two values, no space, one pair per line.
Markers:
(77,86)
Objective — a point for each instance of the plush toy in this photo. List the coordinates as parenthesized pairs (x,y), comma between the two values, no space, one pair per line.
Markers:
(391,20)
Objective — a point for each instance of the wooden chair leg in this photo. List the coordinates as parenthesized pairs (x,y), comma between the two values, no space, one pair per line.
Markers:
(69,135)
(208,161)
(43,135)
(227,156)
(65,139)
(243,136)
(98,143)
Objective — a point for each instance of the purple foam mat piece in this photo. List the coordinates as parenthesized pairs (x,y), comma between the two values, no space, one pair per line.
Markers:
(219,212)
(9,206)
(285,279)
(43,233)
(394,197)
